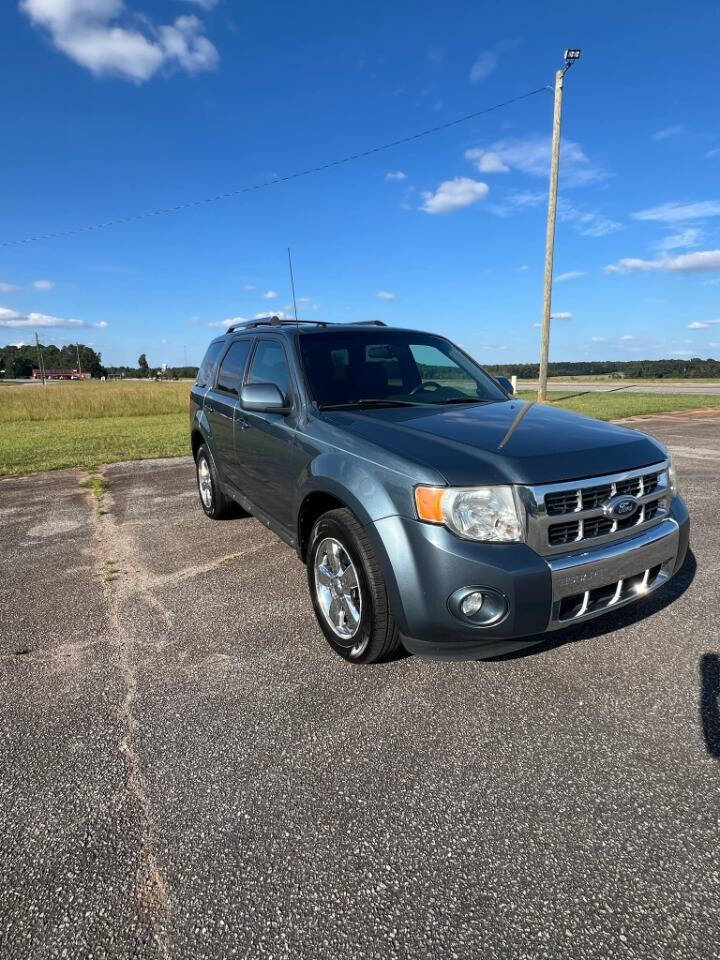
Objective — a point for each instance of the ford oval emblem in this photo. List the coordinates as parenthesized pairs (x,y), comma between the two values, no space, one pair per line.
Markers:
(621,507)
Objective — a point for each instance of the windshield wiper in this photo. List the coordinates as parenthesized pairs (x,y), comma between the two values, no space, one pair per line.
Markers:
(367,403)
(441,403)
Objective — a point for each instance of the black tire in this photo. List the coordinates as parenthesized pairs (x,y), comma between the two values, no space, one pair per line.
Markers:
(219,506)
(377,636)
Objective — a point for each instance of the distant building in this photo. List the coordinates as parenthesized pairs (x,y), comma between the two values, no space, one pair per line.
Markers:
(61,375)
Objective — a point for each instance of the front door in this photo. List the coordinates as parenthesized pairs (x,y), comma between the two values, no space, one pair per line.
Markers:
(265,442)
(222,406)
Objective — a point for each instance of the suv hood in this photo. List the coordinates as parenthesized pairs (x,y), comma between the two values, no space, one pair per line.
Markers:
(505,442)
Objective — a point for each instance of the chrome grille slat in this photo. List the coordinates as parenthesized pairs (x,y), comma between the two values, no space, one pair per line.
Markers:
(564,517)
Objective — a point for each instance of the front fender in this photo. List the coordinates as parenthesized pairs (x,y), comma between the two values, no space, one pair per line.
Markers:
(370,490)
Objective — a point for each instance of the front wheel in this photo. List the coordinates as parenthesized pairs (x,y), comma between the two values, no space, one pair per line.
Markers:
(348,590)
(213,501)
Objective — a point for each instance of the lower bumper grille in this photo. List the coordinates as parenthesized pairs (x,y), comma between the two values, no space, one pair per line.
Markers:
(587,584)
(592,601)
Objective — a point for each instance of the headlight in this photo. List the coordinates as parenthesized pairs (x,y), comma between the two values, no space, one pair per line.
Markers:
(475,513)
(672,475)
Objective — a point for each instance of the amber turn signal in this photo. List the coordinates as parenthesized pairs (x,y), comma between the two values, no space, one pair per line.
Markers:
(428,502)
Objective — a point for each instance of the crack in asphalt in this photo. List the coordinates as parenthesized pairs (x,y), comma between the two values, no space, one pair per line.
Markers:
(112,550)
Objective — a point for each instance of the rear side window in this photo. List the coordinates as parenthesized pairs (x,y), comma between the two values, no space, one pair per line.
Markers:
(269,365)
(207,367)
(233,367)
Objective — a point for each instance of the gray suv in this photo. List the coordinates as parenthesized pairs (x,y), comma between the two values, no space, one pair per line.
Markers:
(433,510)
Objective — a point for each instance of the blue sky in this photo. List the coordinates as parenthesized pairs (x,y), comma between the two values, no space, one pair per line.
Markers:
(112,109)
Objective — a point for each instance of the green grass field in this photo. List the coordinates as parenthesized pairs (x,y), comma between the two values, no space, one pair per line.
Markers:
(88,424)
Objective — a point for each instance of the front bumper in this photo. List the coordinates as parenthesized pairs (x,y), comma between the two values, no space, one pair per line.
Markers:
(425,564)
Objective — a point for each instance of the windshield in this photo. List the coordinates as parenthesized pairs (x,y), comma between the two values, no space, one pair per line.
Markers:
(388,368)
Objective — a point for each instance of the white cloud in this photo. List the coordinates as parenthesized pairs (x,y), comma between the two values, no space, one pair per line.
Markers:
(101,325)
(385,295)
(532,155)
(486,161)
(674,212)
(102,36)
(280,314)
(715,343)
(689,237)
(668,132)
(303,299)
(13,319)
(484,65)
(395,175)
(715,152)
(588,223)
(454,194)
(627,336)
(562,315)
(598,339)
(203,4)
(698,325)
(270,295)
(43,284)
(684,263)
(227,322)
(523,267)
(249,286)
(570,275)
(516,201)
(8,288)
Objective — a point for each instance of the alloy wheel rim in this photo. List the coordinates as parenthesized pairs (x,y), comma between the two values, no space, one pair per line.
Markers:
(338,593)
(205,482)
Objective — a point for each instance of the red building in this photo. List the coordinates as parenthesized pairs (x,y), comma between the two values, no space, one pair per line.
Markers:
(60,375)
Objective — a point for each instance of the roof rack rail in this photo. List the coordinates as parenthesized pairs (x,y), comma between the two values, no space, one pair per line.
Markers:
(273,321)
(368,323)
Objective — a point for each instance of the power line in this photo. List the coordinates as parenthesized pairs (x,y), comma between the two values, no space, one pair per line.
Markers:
(164,211)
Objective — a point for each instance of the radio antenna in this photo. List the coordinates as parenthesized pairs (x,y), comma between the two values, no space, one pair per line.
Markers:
(292,284)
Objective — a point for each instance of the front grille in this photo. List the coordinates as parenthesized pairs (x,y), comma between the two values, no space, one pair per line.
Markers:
(560,516)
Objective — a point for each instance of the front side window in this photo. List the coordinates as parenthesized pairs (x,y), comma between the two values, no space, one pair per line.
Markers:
(269,365)
(233,367)
(207,367)
(391,368)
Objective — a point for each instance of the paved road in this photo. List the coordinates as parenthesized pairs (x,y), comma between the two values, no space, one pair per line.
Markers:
(188,772)
(573,386)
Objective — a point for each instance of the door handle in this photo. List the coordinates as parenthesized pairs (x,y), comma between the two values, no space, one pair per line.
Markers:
(242,423)
(209,407)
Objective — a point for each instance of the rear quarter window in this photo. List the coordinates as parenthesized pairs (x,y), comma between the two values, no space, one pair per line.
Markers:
(207,367)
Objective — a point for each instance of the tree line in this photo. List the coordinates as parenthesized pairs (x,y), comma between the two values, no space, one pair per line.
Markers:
(18,362)
(620,369)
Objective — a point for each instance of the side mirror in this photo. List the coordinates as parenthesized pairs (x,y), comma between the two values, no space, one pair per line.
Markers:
(506,385)
(263,398)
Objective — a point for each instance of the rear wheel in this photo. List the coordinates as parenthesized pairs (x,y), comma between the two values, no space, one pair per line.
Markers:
(348,590)
(213,501)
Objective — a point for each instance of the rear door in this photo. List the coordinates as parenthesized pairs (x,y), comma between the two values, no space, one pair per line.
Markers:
(222,406)
(265,442)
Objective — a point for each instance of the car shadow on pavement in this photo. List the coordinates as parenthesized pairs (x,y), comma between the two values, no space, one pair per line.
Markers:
(624,617)
(710,702)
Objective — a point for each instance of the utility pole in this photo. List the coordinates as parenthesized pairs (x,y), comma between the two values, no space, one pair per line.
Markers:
(40,358)
(570,57)
(77,350)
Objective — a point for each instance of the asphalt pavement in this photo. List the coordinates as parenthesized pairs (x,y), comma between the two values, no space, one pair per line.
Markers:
(187,771)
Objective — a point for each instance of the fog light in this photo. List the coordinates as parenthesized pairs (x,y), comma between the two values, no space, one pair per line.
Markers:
(472,603)
(478,605)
